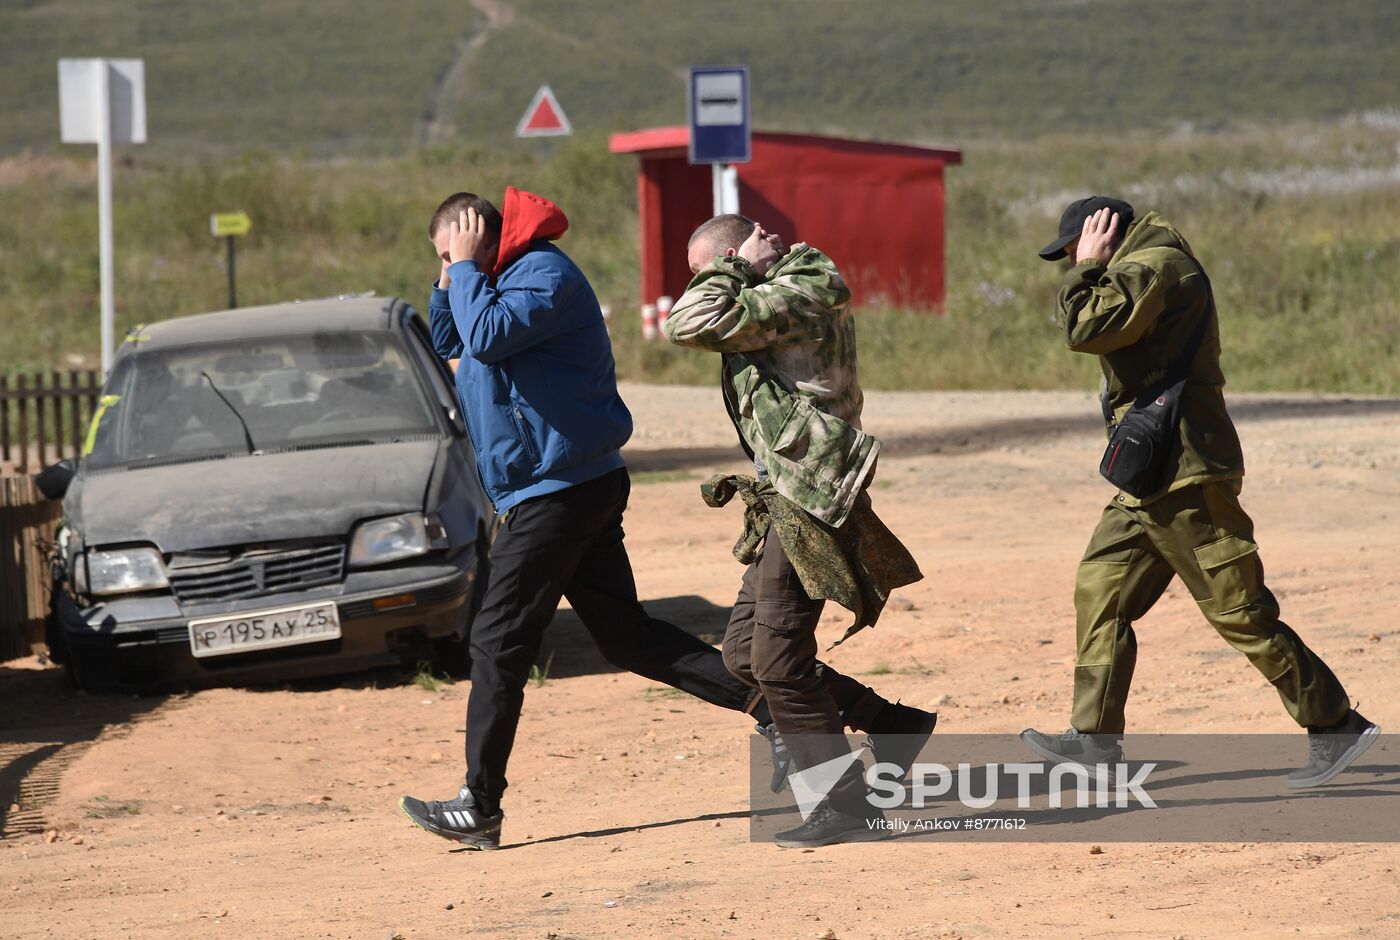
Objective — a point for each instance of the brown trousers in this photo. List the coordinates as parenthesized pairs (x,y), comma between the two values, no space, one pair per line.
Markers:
(771,644)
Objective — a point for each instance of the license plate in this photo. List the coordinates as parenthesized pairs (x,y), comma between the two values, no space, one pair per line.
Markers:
(264,629)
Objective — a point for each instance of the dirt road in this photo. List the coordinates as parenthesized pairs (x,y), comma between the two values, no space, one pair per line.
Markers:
(271,813)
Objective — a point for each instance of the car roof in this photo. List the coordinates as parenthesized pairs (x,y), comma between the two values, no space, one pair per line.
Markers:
(299,317)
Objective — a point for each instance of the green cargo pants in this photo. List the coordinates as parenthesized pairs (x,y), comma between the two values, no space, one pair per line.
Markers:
(1200,533)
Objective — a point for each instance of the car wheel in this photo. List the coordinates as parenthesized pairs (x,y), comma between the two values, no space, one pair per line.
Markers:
(60,650)
(454,657)
(76,670)
(53,638)
(454,653)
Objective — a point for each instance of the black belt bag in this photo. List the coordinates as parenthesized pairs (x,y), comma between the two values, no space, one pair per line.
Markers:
(1140,446)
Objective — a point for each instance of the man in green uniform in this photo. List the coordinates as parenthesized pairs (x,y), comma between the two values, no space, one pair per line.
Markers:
(1136,297)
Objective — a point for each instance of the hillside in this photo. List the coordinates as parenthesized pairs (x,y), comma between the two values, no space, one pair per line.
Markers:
(330,77)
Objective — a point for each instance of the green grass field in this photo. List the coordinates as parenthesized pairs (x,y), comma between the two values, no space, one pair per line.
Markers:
(1267,130)
(334,77)
(1296,225)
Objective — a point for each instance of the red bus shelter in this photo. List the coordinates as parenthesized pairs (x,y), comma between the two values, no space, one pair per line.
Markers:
(875,208)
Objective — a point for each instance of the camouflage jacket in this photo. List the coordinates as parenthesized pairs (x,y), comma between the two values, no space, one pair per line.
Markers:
(858,565)
(1137,314)
(789,377)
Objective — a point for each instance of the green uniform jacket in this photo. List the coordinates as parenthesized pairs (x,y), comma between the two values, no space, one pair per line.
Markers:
(1138,314)
(790,377)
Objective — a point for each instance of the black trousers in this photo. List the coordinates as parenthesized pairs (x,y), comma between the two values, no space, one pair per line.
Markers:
(569,544)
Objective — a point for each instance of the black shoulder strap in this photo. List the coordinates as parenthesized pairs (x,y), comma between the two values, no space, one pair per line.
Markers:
(732,364)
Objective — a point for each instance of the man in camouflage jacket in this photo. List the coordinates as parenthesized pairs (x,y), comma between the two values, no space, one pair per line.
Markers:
(783,324)
(1141,301)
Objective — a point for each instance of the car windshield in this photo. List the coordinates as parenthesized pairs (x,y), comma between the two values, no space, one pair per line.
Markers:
(287,392)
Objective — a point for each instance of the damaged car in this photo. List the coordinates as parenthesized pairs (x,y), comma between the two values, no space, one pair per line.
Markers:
(266,494)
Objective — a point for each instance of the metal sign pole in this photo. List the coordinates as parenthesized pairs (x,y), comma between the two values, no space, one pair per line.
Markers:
(103,101)
(230,225)
(725,181)
(104,208)
(232,289)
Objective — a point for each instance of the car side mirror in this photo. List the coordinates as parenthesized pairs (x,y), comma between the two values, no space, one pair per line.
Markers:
(53,480)
(454,419)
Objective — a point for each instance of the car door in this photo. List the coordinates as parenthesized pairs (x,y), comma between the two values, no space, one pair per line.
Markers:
(465,505)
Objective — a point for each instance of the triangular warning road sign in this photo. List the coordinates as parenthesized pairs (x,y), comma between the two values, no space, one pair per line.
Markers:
(544,117)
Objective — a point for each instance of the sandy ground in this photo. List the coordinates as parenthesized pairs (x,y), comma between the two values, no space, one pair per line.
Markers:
(271,812)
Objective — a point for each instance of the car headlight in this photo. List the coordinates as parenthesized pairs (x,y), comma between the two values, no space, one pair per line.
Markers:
(124,571)
(384,540)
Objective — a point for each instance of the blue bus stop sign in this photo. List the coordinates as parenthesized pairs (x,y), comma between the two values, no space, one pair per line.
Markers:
(719,114)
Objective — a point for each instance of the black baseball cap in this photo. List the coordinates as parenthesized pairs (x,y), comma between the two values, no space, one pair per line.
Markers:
(1072,222)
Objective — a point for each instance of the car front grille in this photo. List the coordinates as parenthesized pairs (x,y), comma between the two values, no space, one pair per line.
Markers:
(263,573)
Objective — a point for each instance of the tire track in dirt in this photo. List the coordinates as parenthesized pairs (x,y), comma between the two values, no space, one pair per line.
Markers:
(46,730)
(33,772)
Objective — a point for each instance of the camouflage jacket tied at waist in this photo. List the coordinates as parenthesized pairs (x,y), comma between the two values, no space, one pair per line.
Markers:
(790,378)
(858,565)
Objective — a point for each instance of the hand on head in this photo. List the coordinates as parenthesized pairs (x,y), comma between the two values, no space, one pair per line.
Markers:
(1097,240)
(761,249)
(468,239)
(464,237)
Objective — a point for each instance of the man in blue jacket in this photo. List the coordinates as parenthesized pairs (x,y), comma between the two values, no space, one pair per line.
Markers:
(539,394)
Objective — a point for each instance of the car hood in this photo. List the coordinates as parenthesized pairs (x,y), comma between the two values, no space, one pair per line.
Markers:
(253,499)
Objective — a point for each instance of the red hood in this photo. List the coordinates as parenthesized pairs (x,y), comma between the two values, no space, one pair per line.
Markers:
(524,218)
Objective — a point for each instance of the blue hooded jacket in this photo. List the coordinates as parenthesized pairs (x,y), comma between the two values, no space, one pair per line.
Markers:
(536,380)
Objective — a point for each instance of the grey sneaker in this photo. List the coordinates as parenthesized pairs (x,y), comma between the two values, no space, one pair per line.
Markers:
(1332,750)
(828,825)
(782,758)
(459,820)
(1099,753)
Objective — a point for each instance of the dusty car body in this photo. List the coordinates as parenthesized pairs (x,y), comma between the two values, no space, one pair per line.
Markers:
(269,493)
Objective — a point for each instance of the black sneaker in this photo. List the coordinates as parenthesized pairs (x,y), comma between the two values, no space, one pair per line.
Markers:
(459,820)
(782,758)
(1331,750)
(1098,753)
(828,825)
(904,730)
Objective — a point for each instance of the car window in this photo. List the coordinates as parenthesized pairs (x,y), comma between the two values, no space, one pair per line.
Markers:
(421,345)
(282,393)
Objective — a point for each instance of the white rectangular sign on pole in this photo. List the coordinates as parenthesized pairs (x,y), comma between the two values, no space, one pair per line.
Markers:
(79,107)
(103,101)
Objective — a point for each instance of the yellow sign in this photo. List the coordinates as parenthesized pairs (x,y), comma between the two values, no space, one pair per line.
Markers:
(229,223)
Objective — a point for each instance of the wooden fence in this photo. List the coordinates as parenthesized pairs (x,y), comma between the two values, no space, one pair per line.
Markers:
(28,523)
(44,417)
